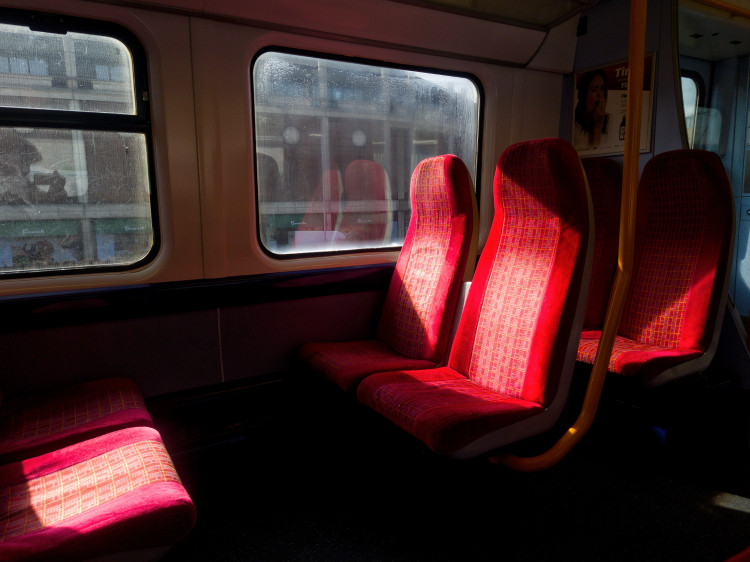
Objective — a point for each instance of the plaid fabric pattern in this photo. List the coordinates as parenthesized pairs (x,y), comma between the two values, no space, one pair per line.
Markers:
(517,281)
(52,416)
(54,498)
(432,214)
(622,347)
(588,346)
(668,258)
(408,413)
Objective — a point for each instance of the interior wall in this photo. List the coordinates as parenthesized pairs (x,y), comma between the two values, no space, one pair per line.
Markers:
(605,41)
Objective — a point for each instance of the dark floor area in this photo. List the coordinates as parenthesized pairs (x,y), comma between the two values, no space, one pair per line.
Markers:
(278,473)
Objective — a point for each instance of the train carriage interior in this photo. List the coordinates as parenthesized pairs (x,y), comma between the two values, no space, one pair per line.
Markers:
(375,280)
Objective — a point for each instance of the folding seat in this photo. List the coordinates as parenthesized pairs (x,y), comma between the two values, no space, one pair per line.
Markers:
(39,423)
(684,233)
(436,257)
(604,178)
(366,212)
(118,493)
(511,364)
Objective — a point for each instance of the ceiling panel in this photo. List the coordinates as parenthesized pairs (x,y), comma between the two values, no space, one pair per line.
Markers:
(537,13)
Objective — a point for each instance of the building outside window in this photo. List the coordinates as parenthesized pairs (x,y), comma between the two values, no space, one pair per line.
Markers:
(336,143)
(75,189)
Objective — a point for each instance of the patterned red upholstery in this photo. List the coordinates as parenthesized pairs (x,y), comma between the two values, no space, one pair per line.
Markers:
(742,556)
(115,493)
(605,183)
(510,366)
(683,240)
(37,424)
(414,326)
(365,185)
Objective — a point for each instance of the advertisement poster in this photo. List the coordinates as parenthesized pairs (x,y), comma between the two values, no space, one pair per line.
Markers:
(600,100)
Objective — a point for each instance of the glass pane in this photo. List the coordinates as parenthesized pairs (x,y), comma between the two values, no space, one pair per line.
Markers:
(336,143)
(690,106)
(70,72)
(71,199)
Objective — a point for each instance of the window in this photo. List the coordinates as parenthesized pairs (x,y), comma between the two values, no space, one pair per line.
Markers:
(690,105)
(692,86)
(75,191)
(336,143)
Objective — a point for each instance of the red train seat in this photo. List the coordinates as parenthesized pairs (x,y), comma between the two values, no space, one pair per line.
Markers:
(116,493)
(319,223)
(511,363)
(415,322)
(604,178)
(366,205)
(42,422)
(683,242)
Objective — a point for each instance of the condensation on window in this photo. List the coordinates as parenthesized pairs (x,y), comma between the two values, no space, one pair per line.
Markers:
(72,199)
(336,143)
(68,72)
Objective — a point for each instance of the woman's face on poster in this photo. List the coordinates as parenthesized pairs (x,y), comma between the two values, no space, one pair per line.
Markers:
(596,95)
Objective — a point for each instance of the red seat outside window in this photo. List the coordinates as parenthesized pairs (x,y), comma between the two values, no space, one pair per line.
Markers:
(366,207)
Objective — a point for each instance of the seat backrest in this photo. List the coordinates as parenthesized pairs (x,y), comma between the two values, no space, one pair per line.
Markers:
(366,215)
(683,242)
(520,326)
(440,245)
(269,177)
(604,178)
(318,224)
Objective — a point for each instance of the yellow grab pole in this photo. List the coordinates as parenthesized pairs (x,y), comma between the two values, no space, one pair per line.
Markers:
(625,257)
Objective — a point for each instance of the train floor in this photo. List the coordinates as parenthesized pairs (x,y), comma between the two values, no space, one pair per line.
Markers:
(282,474)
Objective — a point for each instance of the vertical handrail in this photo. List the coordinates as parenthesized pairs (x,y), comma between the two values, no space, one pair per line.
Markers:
(636,54)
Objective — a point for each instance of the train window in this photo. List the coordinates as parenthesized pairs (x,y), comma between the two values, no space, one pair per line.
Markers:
(75,189)
(336,142)
(690,105)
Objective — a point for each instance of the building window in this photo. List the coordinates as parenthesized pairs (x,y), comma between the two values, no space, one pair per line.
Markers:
(336,143)
(75,188)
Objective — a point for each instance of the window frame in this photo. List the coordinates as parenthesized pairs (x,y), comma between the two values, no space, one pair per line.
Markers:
(139,122)
(375,63)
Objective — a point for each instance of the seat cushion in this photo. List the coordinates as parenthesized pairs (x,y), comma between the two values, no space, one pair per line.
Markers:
(36,424)
(631,358)
(348,363)
(441,407)
(115,493)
